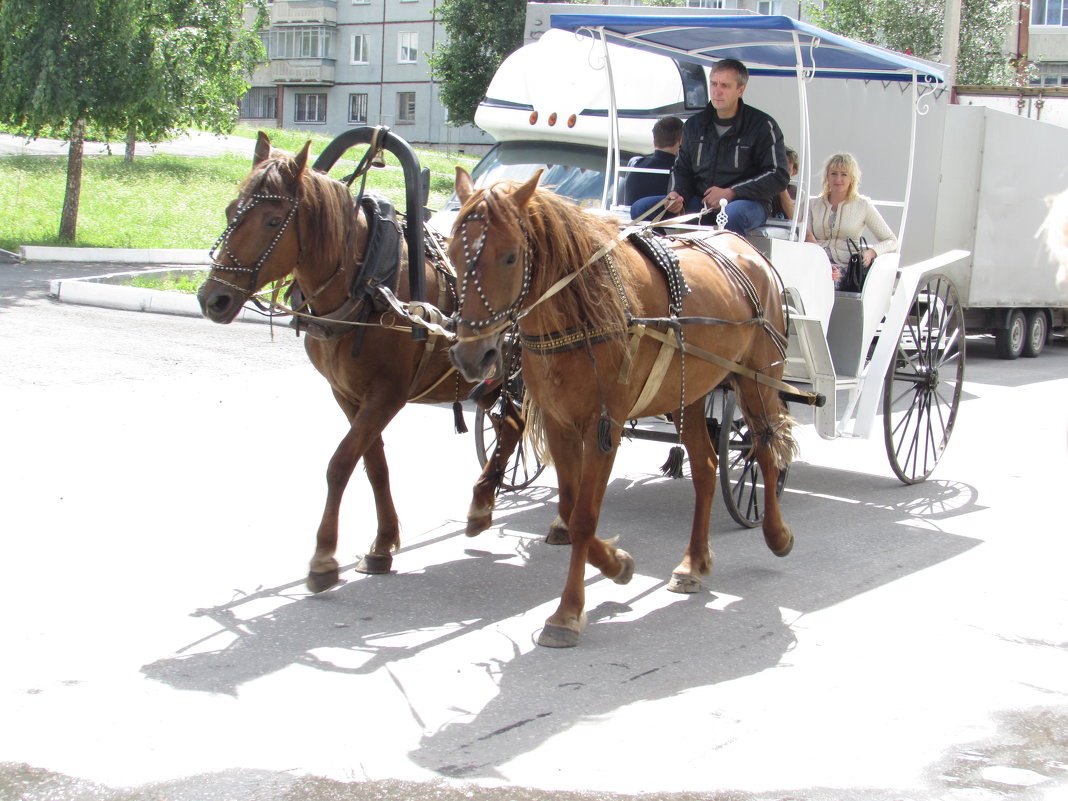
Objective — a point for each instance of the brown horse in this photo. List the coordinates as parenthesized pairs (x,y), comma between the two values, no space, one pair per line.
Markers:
(597,352)
(292,220)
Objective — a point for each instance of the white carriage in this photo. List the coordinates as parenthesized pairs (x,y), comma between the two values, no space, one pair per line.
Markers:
(889,358)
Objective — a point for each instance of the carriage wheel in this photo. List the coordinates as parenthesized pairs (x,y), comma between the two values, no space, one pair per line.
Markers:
(740,479)
(922,390)
(523,465)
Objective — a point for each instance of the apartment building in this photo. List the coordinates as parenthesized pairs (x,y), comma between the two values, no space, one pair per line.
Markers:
(1045,42)
(335,64)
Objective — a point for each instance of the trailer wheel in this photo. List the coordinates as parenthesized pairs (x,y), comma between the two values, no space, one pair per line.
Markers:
(1009,341)
(740,480)
(1037,332)
(923,384)
(523,466)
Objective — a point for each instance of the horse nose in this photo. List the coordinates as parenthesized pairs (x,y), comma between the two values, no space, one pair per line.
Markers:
(215,304)
(475,364)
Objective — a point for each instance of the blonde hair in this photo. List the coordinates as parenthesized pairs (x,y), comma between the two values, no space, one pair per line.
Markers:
(849,164)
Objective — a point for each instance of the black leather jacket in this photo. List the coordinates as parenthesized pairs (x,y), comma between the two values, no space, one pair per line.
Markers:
(750,158)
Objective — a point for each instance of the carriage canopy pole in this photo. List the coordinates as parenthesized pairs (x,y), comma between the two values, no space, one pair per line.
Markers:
(912,158)
(611,168)
(804,175)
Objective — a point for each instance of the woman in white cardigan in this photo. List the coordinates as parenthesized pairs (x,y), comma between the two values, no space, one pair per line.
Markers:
(839,214)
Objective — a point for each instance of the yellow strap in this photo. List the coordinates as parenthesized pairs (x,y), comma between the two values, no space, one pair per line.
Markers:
(655,379)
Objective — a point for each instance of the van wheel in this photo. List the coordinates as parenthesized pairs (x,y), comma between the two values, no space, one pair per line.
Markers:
(1037,331)
(1009,341)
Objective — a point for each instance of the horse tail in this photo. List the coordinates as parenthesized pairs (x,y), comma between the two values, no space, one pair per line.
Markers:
(534,430)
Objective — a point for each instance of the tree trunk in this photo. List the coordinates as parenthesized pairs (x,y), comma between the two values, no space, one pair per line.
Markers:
(131,143)
(68,222)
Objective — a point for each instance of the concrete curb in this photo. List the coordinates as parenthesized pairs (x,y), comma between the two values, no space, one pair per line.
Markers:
(109,291)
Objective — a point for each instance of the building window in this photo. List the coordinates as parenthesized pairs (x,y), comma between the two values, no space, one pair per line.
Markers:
(407,47)
(405,108)
(259,103)
(361,2)
(1049,12)
(770,7)
(1051,73)
(301,41)
(358,108)
(309,107)
(359,53)
(711,3)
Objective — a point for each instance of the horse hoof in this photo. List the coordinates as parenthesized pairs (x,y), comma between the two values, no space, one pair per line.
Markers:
(476,525)
(320,582)
(684,583)
(782,550)
(558,637)
(375,564)
(558,534)
(626,570)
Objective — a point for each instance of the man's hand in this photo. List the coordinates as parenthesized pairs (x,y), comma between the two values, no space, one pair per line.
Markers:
(713,195)
(674,203)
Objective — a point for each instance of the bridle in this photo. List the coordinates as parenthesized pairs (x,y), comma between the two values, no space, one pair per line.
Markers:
(499,320)
(243,207)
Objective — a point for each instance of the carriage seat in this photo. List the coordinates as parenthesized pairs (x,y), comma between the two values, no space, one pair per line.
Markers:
(856,316)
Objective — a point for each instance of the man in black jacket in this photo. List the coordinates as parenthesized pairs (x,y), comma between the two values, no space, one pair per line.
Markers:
(730,151)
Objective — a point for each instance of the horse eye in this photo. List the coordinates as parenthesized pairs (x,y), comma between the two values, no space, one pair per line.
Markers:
(511,259)
(274,222)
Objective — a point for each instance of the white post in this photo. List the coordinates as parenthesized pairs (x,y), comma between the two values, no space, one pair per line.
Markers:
(951,40)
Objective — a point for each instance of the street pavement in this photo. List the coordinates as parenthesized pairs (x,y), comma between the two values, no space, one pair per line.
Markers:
(162,479)
(193,143)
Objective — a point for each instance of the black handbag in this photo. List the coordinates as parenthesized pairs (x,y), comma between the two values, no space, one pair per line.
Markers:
(855,271)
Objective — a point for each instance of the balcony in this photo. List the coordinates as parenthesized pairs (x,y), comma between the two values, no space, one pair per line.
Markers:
(303,12)
(302,70)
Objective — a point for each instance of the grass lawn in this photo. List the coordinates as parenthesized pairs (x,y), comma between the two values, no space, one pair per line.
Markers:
(164,201)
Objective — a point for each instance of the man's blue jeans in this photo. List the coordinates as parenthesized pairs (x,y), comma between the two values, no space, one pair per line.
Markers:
(742,215)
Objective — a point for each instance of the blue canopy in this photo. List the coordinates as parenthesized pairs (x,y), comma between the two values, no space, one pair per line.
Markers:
(764,43)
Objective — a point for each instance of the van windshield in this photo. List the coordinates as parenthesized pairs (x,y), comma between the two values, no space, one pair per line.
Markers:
(575,171)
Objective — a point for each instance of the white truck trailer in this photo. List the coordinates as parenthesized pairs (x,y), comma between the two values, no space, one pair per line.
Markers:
(981,179)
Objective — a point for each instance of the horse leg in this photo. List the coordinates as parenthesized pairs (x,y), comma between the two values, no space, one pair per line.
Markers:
(484,495)
(773,449)
(698,558)
(380,558)
(365,427)
(565,625)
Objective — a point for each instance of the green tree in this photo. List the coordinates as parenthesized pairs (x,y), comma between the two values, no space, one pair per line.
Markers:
(915,26)
(481,34)
(151,66)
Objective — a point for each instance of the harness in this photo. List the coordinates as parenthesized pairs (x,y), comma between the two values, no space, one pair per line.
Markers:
(380,266)
(583,336)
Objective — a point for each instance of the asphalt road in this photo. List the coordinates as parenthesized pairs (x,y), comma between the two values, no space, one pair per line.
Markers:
(162,479)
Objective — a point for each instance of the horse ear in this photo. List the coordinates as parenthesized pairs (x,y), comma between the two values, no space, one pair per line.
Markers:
(464,186)
(524,193)
(263,149)
(302,158)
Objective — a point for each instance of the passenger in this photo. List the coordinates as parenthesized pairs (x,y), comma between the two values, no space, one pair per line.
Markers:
(667,137)
(782,205)
(730,151)
(839,214)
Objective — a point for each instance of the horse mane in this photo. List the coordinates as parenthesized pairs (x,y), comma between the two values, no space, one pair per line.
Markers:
(562,237)
(328,214)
